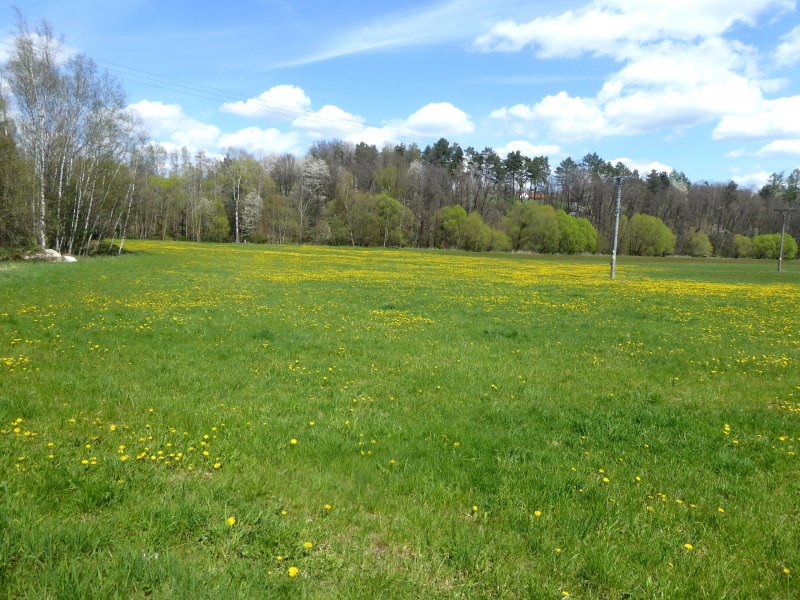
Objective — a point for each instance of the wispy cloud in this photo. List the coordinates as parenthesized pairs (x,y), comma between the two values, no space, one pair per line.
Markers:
(438,23)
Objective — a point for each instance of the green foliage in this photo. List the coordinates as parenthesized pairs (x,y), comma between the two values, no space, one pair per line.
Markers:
(646,235)
(391,216)
(533,227)
(768,245)
(541,228)
(498,241)
(449,226)
(576,234)
(697,243)
(220,227)
(742,246)
(476,235)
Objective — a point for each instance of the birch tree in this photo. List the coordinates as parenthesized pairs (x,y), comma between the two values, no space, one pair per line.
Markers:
(35,83)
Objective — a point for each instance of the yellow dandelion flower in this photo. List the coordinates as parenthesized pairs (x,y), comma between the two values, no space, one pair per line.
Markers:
(537,513)
(293,441)
(328,507)
(231,521)
(786,570)
(308,545)
(688,546)
(293,571)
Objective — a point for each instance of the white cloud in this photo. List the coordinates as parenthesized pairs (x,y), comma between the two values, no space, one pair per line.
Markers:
(197,137)
(677,70)
(567,117)
(438,119)
(788,51)
(291,103)
(262,141)
(162,119)
(771,119)
(752,180)
(528,149)
(617,27)
(644,167)
(173,127)
(738,153)
(374,136)
(434,120)
(781,148)
(329,121)
(663,84)
(434,24)
(282,102)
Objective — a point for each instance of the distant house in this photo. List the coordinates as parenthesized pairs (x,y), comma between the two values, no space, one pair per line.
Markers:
(527,196)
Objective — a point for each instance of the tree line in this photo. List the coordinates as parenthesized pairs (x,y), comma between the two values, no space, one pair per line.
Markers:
(77,173)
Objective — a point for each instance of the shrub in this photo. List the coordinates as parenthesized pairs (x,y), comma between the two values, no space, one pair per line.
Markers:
(697,243)
(768,246)
(646,235)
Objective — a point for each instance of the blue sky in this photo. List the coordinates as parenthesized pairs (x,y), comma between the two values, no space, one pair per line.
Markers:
(708,87)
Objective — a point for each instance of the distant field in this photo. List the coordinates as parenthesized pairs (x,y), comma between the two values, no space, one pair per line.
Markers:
(214,421)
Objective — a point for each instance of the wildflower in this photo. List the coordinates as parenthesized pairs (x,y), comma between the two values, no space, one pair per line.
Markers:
(558,550)
(231,521)
(311,423)
(786,570)
(537,513)
(293,442)
(279,558)
(606,480)
(688,546)
(293,571)
(720,510)
(474,508)
(328,507)
(308,545)
(217,465)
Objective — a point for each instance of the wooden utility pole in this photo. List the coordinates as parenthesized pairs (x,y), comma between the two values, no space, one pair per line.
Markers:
(784,212)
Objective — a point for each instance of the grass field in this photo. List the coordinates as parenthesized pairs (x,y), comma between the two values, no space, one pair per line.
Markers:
(213,421)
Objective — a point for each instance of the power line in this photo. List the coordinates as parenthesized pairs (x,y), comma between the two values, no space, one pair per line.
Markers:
(202,91)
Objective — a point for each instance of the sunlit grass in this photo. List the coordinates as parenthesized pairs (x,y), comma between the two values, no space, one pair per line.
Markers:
(221,421)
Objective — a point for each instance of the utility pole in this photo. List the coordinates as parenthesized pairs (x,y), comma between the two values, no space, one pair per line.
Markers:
(617,203)
(784,212)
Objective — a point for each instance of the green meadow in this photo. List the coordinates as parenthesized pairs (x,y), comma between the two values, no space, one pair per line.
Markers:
(221,421)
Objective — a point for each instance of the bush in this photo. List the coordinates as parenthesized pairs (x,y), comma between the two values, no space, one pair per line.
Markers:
(742,246)
(768,246)
(646,235)
(576,235)
(697,243)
